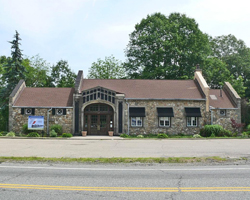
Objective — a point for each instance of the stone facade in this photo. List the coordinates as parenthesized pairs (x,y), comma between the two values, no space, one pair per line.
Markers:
(65,120)
(224,120)
(151,120)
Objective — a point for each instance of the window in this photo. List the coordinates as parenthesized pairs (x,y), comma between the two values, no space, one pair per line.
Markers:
(164,116)
(164,121)
(192,121)
(136,121)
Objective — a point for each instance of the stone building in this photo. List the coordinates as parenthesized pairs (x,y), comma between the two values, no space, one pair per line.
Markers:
(127,106)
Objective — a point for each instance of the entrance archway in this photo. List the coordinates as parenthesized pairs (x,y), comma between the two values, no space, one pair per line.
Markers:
(98,119)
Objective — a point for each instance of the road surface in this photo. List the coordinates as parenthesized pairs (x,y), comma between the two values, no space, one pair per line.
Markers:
(81,181)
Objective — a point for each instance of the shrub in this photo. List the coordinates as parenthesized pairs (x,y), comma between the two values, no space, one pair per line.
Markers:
(52,133)
(10,134)
(234,134)
(124,135)
(197,136)
(237,126)
(202,132)
(227,133)
(181,134)
(1,134)
(25,129)
(140,136)
(217,130)
(33,134)
(248,127)
(57,128)
(67,135)
(212,135)
(246,134)
(162,135)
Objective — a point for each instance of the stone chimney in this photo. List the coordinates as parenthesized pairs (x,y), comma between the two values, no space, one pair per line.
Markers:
(203,84)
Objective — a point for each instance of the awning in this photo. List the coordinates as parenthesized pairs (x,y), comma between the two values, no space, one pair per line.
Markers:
(137,112)
(165,112)
(193,112)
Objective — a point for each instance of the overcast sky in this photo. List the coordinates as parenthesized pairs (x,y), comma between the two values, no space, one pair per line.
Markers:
(81,31)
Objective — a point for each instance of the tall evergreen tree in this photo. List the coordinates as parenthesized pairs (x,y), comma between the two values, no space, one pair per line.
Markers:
(13,70)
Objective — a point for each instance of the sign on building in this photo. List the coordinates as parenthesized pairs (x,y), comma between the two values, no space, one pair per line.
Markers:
(36,123)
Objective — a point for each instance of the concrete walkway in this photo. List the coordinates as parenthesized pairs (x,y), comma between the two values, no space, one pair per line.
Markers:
(117,147)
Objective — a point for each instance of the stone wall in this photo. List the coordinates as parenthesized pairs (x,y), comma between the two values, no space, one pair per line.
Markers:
(178,122)
(225,121)
(65,120)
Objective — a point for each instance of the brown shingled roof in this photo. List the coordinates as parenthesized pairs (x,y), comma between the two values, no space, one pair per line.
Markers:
(219,102)
(147,89)
(46,97)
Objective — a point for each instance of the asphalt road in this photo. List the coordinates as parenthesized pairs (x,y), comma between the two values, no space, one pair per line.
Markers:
(232,148)
(74,181)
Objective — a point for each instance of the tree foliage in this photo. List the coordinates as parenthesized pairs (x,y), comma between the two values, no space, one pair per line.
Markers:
(38,72)
(236,55)
(13,71)
(215,72)
(163,47)
(110,68)
(61,75)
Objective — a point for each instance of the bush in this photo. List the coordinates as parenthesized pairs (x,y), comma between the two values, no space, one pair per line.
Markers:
(197,136)
(140,136)
(52,133)
(246,134)
(212,135)
(57,128)
(67,135)
(124,135)
(208,130)
(162,135)
(248,127)
(10,134)
(227,133)
(25,129)
(3,133)
(33,134)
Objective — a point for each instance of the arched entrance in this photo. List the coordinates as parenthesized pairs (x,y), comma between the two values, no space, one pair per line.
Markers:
(98,119)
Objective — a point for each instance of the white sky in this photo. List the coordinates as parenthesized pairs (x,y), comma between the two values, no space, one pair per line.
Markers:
(81,31)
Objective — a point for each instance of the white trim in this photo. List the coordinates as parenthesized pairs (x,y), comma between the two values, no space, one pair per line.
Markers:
(192,122)
(136,122)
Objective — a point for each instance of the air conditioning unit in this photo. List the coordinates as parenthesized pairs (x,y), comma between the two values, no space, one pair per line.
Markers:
(223,112)
(28,111)
(59,111)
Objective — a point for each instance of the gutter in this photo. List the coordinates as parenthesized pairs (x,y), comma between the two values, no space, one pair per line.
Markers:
(128,116)
(165,99)
(40,107)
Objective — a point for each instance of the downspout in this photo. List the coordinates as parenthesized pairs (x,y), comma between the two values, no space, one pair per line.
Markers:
(48,121)
(211,116)
(128,116)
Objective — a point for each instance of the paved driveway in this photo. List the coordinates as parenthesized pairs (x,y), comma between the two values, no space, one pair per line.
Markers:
(76,148)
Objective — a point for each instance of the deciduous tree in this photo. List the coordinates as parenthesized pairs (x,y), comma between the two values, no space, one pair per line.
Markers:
(61,75)
(163,47)
(110,68)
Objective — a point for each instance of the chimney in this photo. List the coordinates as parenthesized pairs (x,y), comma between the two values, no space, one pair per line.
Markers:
(220,92)
(198,69)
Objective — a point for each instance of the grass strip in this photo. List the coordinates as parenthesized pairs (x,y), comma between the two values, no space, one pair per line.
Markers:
(120,160)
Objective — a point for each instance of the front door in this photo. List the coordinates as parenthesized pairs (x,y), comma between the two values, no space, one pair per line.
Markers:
(98,119)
